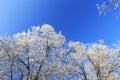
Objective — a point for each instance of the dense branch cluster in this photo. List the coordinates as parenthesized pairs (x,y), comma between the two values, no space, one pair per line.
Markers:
(42,54)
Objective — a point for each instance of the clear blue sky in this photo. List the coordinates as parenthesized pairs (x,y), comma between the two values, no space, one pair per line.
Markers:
(78,19)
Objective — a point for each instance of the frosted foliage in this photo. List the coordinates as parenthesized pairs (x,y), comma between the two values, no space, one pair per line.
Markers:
(47,30)
(47,33)
(111,5)
(79,47)
(98,51)
(53,37)
(24,39)
(78,54)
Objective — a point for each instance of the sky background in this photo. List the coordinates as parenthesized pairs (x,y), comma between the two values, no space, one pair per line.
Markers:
(77,19)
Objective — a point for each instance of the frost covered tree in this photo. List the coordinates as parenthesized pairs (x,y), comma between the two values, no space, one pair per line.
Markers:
(37,54)
(104,61)
(43,54)
(110,5)
(38,51)
(77,61)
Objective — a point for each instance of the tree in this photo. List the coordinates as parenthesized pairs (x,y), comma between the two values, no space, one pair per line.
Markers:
(77,61)
(103,60)
(38,49)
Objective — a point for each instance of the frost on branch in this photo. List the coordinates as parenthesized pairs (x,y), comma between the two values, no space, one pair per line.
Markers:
(111,5)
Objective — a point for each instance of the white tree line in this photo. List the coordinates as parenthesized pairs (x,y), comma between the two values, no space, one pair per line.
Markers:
(43,54)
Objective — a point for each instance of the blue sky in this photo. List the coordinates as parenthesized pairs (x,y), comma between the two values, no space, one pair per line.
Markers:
(77,19)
